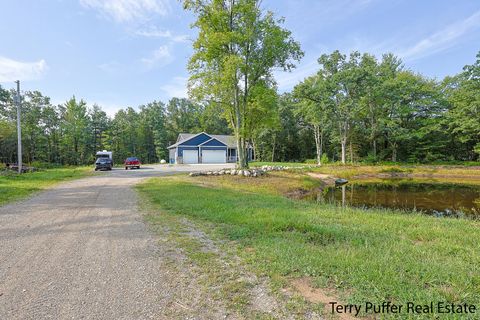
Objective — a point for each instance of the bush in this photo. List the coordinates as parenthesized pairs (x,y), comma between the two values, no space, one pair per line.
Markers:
(370,159)
(432,157)
(325,159)
(476,149)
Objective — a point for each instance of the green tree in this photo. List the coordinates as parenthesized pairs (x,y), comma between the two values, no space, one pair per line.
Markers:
(237,48)
(8,141)
(344,81)
(375,97)
(154,131)
(75,130)
(211,121)
(52,122)
(315,106)
(411,99)
(34,137)
(182,116)
(5,99)
(7,128)
(464,96)
(263,118)
(98,123)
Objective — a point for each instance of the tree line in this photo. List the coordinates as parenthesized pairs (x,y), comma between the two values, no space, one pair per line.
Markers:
(355,107)
(361,108)
(71,133)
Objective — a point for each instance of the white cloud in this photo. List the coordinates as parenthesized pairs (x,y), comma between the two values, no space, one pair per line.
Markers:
(154,32)
(443,39)
(11,70)
(159,58)
(128,10)
(176,88)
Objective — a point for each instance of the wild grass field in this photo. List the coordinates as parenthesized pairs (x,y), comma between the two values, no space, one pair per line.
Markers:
(469,172)
(349,254)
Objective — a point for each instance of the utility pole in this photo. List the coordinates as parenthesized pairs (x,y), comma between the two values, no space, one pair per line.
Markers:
(19,128)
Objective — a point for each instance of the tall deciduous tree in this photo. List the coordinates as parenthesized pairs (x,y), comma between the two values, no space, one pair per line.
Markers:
(465,99)
(344,80)
(237,48)
(410,99)
(315,106)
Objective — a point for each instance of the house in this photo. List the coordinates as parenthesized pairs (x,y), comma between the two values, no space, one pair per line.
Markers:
(204,148)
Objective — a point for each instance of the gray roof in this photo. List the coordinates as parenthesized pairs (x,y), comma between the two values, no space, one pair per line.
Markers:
(228,140)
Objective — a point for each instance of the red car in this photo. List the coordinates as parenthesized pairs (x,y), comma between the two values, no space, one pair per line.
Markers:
(131,163)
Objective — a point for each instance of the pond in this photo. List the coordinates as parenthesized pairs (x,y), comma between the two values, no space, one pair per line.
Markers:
(428,197)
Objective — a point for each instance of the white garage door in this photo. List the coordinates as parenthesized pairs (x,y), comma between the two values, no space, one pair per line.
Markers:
(214,156)
(190,156)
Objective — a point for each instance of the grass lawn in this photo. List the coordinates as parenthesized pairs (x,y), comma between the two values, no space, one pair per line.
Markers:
(14,186)
(351,254)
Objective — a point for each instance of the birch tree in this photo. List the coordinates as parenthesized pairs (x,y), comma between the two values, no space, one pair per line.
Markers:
(314,105)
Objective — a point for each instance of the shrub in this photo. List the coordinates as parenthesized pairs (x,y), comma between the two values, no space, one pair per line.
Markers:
(325,159)
(370,159)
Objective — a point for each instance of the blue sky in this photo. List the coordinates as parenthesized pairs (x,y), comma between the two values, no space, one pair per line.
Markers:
(120,53)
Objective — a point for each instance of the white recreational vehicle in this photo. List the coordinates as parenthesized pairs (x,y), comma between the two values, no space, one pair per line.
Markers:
(105,154)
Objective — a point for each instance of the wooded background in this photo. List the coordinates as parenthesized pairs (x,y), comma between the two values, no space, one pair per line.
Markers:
(375,108)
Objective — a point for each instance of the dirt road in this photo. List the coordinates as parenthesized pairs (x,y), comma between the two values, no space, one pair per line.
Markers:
(82,251)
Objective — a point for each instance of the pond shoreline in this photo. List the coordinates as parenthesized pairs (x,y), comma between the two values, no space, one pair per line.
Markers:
(435,195)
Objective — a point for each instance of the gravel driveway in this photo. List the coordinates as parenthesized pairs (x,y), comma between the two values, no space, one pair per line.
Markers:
(82,251)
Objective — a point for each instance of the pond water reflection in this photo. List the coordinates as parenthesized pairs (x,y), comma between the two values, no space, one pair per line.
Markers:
(433,198)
